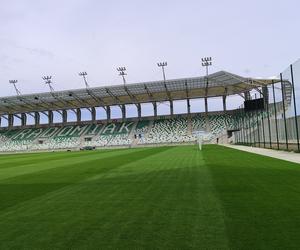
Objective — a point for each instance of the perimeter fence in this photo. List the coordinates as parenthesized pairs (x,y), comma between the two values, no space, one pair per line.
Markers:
(277,126)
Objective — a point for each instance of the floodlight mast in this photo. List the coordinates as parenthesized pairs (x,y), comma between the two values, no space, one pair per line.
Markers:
(206,62)
(122,73)
(48,81)
(84,74)
(163,65)
(13,82)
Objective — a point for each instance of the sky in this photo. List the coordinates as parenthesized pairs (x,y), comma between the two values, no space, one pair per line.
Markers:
(257,38)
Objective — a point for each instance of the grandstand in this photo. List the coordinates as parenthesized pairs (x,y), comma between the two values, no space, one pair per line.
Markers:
(127,132)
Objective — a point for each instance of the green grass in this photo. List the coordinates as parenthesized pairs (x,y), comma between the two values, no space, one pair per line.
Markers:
(149,198)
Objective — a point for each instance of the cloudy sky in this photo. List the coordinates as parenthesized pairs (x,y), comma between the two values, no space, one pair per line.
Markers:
(63,37)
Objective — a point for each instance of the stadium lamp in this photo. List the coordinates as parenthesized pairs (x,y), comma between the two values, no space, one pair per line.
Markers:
(84,74)
(122,73)
(206,62)
(13,82)
(48,81)
(163,65)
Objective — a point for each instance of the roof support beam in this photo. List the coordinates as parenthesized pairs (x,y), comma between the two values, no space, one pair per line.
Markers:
(13,106)
(132,97)
(45,105)
(18,116)
(168,92)
(64,102)
(95,97)
(27,103)
(148,92)
(113,96)
(4,117)
(241,95)
(84,103)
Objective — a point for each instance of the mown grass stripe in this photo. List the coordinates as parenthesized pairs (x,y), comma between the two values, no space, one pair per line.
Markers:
(259,196)
(151,198)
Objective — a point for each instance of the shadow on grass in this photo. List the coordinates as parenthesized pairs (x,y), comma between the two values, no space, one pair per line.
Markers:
(28,186)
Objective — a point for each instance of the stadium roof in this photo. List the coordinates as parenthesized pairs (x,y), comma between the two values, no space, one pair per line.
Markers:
(219,84)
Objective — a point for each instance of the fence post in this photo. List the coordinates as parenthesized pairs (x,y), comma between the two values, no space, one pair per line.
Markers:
(269,125)
(240,132)
(284,115)
(295,108)
(249,125)
(275,112)
(263,128)
(257,124)
(244,132)
(244,126)
(254,137)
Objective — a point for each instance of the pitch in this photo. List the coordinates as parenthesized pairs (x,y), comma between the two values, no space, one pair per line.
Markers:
(149,198)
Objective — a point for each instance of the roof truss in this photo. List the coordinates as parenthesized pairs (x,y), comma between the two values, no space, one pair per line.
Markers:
(220,83)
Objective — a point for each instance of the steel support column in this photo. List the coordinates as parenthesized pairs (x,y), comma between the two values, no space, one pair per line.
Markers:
(23,119)
(188,102)
(36,118)
(224,103)
(93,114)
(139,110)
(10,120)
(64,116)
(171,108)
(108,113)
(78,115)
(50,117)
(123,109)
(154,109)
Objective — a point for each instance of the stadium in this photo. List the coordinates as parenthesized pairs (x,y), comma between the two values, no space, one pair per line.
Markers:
(151,164)
(136,131)
(182,133)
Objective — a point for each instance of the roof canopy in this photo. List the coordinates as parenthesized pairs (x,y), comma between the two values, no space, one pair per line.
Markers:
(219,84)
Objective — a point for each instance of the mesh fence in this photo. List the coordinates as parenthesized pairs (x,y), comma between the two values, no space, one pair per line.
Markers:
(278,124)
